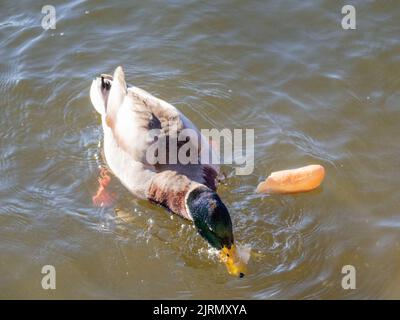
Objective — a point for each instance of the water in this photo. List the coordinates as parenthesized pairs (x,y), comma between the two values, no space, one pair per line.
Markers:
(313,92)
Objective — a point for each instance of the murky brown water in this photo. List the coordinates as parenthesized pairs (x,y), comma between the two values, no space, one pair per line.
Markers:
(313,92)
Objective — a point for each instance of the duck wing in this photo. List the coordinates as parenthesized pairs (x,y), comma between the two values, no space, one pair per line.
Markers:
(149,130)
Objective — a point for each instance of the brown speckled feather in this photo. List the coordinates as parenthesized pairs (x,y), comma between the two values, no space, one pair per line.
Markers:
(169,189)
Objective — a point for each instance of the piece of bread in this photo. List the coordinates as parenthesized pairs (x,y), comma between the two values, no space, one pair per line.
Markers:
(294,180)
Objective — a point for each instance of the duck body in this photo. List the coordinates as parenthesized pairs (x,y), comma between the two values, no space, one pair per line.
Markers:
(134,122)
(128,115)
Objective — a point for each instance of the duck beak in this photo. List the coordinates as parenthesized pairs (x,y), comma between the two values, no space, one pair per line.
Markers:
(235,264)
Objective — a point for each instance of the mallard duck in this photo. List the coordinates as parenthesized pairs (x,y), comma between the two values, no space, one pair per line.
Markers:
(130,116)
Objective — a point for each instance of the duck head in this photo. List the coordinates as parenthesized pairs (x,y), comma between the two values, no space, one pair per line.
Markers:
(213,222)
(211,217)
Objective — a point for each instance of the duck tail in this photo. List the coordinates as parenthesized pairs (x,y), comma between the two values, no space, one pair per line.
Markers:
(117,94)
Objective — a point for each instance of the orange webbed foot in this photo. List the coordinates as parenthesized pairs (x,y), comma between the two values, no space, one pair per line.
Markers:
(103,198)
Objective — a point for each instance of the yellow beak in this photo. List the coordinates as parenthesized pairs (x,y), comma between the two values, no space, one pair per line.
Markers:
(233,261)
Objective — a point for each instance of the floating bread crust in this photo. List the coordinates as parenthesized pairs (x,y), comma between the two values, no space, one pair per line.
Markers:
(291,181)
